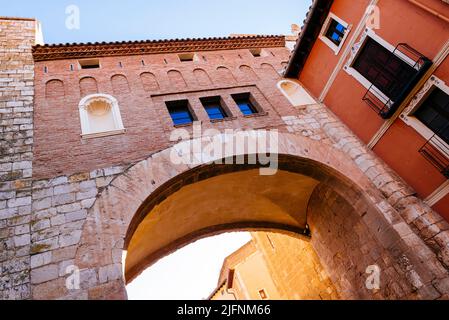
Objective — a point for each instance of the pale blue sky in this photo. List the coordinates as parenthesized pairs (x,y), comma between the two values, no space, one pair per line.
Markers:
(117,20)
(190,273)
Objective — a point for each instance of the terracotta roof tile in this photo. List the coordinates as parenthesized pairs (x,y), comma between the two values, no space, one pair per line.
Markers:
(99,49)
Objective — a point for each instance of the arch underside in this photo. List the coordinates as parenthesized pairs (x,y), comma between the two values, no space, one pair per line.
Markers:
(242,200)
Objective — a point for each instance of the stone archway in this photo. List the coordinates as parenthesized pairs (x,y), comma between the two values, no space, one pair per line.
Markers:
(335,183)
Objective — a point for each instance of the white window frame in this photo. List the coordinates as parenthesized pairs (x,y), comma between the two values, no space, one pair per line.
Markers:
(417,101)
(356,49)
(86,131)
(325,27)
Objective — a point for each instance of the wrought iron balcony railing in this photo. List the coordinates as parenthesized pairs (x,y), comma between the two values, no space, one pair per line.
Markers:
(436,151)
(390,88)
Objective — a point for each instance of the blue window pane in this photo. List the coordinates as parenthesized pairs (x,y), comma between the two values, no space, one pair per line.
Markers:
(335,32)
(215,112)
(181,117)
(246,108)
(336,37)
(340,27)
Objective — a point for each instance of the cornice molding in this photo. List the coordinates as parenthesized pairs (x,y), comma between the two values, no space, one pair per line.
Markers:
(91,50)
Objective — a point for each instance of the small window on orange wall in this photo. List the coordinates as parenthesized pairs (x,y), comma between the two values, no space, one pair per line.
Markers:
(334,32)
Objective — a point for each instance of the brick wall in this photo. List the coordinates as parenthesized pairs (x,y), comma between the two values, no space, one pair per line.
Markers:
(141,91)
(16,154)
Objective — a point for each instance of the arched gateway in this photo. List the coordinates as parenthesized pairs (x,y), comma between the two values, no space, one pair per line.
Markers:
(317,192)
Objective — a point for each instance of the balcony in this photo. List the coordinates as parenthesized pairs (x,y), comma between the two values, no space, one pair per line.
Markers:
(436,151)
(396,77)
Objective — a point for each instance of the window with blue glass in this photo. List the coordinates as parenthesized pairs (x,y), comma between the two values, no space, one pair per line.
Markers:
(245,104)
(180,112)
(214,108)
(335,32)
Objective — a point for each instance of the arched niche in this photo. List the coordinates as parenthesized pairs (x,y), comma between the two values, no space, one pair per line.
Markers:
(295,93)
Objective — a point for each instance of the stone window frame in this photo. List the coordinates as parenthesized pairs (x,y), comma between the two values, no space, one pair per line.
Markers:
(357,48)
(326,26)
(86,132)
(407,115)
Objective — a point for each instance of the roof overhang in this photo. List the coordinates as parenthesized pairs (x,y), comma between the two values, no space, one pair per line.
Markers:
(103,49)
(311,29)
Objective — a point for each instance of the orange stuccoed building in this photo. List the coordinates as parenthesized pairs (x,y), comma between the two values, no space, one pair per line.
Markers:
(114,155)
(382,68)
(274,266)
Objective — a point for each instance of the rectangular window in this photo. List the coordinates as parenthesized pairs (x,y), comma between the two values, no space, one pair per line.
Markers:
(214,108)
(186,57)
(263,294)
(180,112)
(256,52)
(231,278)
(89,64)
(385,70)
(245,104)
(335,32)
(434,113)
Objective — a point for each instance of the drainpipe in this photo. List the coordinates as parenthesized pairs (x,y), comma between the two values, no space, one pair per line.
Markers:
(430,10)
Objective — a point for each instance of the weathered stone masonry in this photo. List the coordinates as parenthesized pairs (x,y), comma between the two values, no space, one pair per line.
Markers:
(60,208)
(17,37)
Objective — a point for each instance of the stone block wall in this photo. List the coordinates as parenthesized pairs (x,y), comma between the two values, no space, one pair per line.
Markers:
(60,207)
(347,248)
(17,37)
